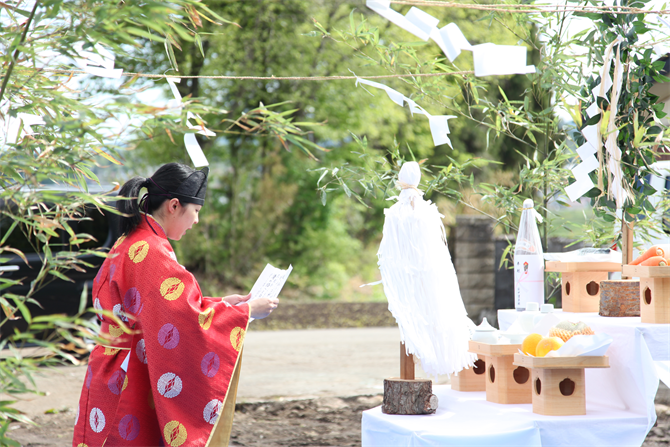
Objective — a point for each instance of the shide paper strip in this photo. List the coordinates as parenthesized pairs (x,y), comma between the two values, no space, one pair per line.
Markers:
(593,110)
(190,141)
(594,140)
(195,151)
(439,127)
(416,21)
(13,126)
(498,60)
(98,64)
(451,40)
(490,59)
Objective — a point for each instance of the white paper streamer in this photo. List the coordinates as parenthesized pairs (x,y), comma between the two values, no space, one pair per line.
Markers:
(490,59)
(98,64)
(594,139)
(420,282)
(439,126)
(192,146)
(494,60)
(12,126)
(416,21)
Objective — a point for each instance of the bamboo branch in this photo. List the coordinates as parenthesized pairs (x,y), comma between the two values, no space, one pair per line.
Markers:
(5,80)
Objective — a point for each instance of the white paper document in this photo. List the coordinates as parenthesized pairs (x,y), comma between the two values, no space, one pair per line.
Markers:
(270,283)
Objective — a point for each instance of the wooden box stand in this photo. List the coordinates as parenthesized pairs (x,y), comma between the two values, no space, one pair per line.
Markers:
(471,379)
(654,292)
(558,382)
(408,395)
(580,283)
(505,382)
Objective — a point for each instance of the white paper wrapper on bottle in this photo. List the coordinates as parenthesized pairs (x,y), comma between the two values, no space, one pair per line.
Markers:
(528,259)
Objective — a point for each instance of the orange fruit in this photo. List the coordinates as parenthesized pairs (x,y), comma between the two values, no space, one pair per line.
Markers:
(530,343)
(547,344)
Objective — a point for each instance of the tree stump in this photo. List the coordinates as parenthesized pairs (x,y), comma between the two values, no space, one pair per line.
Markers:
(620,298)
(409,397)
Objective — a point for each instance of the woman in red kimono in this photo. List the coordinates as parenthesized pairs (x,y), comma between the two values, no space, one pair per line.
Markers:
(169,365)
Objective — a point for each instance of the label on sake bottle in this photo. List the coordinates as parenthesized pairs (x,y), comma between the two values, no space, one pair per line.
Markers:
(528,280)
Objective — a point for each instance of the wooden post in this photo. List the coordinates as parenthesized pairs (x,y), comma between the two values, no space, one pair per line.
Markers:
(408,395)
(406,364)
(626,244)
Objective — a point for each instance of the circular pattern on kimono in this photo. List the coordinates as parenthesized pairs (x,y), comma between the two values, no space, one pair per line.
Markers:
(212,411)
(141,351)
(138,251)
(111,351)
(112,270)
(89,376)
(237,338)
(169,385)
(118,242)
(125,383)
(115,331)
(98,306)
(210,364)
(129,427)
(168,336)
(119,312)
(115,383)
(82,445)
(132,302)
(172,288)
(97,420)
(174,433)
(205,318)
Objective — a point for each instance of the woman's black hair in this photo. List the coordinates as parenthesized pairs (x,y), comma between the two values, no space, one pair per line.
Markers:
(167,178)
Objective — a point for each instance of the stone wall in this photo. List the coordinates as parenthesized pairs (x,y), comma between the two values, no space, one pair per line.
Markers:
(485,285)
(474,258)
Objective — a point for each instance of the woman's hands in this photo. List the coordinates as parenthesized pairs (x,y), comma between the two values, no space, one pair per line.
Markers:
(234,300)
(262,307)
(258,308)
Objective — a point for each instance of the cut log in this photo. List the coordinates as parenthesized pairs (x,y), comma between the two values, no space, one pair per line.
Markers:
(409,397)
(620,298)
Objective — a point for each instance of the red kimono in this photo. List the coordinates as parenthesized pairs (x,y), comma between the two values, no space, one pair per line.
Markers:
(182,351)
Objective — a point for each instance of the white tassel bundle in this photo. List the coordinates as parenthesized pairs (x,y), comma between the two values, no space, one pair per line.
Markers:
(420,281)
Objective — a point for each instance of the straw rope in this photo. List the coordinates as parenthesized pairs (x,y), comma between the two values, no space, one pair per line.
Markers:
(532,9)
(270,78)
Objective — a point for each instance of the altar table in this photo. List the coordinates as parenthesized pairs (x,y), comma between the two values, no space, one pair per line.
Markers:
(619,401)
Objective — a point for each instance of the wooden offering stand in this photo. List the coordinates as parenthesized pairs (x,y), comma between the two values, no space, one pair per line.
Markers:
(654,292)
(408,395)
(471,379)
(558,382)
(580,283)
(505,382)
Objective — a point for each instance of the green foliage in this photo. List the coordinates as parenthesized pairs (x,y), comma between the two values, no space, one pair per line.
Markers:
(47,179)
(638,112)
(528,122)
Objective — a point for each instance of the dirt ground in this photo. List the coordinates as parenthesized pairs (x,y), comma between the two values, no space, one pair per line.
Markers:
(328,421)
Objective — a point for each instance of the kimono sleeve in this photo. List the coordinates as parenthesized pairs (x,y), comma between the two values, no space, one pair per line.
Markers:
(191,347)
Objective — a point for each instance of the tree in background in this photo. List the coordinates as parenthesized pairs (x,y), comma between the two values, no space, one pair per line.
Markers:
(56,132)
(532,119)
(263,204)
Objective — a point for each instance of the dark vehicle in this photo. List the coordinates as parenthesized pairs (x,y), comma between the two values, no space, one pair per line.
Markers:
(58,296)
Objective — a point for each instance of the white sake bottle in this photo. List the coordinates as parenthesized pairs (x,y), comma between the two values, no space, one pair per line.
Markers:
(528,260)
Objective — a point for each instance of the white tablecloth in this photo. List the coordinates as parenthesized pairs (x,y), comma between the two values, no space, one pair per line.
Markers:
(619,401)
(467,419)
